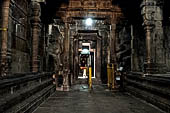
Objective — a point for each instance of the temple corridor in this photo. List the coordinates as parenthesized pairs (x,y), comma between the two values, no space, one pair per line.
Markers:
(84,56)
(99,100)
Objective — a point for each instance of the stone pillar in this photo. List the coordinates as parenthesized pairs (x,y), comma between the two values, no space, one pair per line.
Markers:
(98,61)
(113,43)
(75,58)
(113,51)
(66,57)
(152,16)
(132,49)
(4,37)
(159,51)
(35,22)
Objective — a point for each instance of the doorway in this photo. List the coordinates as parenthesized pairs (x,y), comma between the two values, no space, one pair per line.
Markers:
(86,61)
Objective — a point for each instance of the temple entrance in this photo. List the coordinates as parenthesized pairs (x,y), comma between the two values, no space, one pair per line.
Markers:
(87,51)
(86,60)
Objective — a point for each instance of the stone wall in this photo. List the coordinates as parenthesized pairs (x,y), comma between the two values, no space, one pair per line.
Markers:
(153,88)
(18,42)
(167,46)
(24,92)
(139,48)
(24,38)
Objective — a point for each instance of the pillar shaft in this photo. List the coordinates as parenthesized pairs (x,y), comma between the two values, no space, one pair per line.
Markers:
(35,40)
(132,50)
(148,44)
(35,22)
(113,43)
(66,57)
(66,44)
(98,61)
(4,37)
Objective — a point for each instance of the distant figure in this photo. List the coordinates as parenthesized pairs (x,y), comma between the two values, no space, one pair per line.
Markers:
(84,73)
(120,77)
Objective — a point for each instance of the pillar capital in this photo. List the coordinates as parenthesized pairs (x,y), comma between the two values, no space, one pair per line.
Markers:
(35,12)
(148,3)
(148,25)
(67,20)
(43,1)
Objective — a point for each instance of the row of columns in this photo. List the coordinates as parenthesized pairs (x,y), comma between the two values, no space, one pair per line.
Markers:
(35,24)
(152,14)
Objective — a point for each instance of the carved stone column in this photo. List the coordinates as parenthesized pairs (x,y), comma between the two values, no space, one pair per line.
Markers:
(4,37)
(132,50)
(154,36)
(113,43)
(98,61)
(66,57)
(159,38)
(35,22)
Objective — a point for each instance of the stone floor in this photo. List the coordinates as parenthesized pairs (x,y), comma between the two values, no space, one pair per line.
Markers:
(99,100)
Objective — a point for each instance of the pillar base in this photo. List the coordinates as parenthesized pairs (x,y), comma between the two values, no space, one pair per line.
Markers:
(154,68)
(59,89)
(65,88)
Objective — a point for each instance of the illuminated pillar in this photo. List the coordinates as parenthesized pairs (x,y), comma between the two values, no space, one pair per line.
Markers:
(4,37)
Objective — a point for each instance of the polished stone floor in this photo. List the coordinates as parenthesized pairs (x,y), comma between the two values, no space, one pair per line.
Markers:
(99,100)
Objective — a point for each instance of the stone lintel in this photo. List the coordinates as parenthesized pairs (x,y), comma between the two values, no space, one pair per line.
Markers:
(40,1)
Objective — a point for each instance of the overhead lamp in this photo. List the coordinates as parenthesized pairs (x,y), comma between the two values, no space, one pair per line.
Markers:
(89,22)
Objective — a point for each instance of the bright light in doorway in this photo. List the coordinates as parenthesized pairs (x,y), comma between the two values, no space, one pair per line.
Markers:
(89,22)
(85,51)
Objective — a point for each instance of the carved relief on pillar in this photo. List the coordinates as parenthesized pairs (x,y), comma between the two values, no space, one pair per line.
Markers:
(159,36)
(35,12)
(35,22)
(152,17)
(66,59)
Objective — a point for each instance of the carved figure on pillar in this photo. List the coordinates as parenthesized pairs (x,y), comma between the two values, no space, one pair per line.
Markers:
(66,56)
(151,16)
